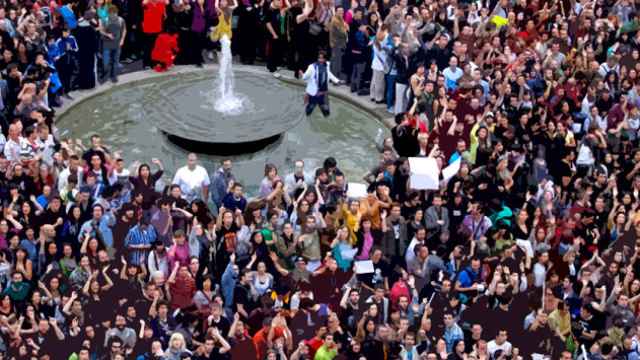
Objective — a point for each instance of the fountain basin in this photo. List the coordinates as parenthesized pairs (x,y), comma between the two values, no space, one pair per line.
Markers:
(269,109)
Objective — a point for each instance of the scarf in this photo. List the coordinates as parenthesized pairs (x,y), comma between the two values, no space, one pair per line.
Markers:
(321,73)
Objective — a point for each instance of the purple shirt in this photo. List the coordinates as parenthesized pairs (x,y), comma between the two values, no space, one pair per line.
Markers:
(200,17)
(180,254)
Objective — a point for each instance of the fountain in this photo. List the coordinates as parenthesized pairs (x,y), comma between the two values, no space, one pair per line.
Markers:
(243,112)
(227,102)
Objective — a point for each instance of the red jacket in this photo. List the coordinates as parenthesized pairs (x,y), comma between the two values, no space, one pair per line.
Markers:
(165,49)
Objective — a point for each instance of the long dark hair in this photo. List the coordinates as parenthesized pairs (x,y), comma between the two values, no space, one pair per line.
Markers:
(203,214)
(103,171)
(70,215)
(142,166)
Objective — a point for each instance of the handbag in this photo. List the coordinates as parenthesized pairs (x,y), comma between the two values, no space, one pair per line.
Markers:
(386,67)
(314,28)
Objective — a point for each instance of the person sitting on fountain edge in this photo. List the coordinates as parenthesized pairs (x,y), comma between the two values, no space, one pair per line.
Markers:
(317,78)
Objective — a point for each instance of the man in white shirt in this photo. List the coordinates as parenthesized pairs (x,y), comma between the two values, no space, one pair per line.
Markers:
(419,238)
(499,343)
(46,143)
(13,145)
(317,77)
(193,180)
(73,167)
(3,140)
(297,178)
(540,269)
(452,74)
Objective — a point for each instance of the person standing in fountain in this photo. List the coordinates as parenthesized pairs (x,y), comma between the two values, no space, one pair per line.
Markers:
(317,78)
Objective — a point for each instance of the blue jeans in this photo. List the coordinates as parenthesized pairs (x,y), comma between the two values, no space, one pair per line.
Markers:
(390,90)
(110,61)
(321,100)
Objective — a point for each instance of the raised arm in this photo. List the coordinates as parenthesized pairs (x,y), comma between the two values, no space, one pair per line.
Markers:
(141,333)
(276,263)
(225,347)
(56,329)
(85,288)
(452,128)
(345,296)
(234,324)
(153,309)
(123,271)
(306,11)
(85,242)
(174,272)
(67,307)
(109,283)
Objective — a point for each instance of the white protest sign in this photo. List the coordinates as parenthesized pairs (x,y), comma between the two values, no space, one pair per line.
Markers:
(424,173)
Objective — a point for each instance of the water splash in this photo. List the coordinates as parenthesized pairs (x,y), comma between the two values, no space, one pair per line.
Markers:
(227,101)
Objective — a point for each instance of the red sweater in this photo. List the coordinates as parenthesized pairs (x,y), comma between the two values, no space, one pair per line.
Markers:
(182,292)
(153,17)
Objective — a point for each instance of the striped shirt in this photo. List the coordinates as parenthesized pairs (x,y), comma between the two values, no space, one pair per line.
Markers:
(136,237)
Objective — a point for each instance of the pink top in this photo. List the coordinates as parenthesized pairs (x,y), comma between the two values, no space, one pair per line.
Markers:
(180,254)
(366,247)
(348,17)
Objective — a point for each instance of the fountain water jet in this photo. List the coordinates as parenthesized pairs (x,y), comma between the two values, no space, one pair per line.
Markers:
(227,101)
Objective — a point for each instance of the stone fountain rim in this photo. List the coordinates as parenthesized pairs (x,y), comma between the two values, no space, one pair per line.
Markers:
(141,76)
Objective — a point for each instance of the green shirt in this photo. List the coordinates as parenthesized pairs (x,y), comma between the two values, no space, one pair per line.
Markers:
(18,291)
(324,353)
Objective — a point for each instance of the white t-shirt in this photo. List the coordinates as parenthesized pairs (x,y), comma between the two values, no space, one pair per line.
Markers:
(451,77)
(3,141)
(12,150)
(47,147)
(123,177)
(492,347)
(191,182)
(63,178)
(539,274)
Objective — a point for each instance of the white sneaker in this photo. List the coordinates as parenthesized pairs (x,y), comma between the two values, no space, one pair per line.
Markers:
(277,75)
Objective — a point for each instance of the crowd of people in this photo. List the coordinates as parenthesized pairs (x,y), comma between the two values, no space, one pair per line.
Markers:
(528,251)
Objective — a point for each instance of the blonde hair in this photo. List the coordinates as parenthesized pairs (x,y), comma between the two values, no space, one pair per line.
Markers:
(178,336)
(338,22)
